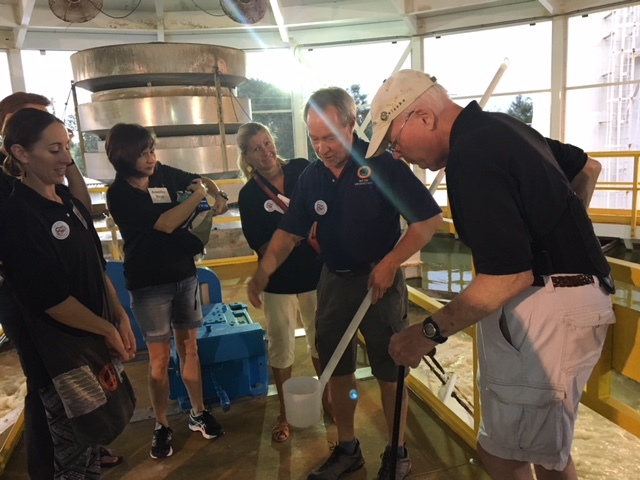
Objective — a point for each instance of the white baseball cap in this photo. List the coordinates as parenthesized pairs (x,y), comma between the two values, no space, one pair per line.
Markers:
(398,92)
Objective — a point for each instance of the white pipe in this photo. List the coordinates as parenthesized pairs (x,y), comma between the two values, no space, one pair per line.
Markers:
(346,338)
(492,86)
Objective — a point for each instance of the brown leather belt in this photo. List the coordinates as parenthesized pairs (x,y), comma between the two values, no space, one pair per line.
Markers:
(565,280)
(354,272)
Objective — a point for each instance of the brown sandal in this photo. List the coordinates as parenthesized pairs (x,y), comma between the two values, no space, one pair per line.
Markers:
(281,432)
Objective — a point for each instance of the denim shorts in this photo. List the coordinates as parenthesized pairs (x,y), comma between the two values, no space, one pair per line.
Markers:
(160,308)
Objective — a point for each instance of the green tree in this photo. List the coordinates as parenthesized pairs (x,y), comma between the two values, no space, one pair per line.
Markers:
(362,106)
(272,107)
(90,143)
(522,109)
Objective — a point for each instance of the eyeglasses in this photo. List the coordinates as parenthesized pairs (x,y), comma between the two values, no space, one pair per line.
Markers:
(394,145)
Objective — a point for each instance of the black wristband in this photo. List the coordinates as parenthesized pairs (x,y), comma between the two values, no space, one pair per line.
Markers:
(73,162)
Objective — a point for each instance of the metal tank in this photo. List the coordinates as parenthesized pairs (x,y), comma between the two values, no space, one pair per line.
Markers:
(183,92)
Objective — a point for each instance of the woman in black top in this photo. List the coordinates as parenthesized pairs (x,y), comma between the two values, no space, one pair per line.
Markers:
(159,268)
(54,264)
(291,290)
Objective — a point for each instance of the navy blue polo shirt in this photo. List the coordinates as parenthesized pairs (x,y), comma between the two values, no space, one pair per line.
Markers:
(358,214)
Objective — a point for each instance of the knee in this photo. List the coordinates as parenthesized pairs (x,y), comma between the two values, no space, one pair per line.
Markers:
(159,366)
(189,349)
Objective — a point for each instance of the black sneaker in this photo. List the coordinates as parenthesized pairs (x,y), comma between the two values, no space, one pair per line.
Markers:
(403,466)
(205,424)
(161,443)
(338,463)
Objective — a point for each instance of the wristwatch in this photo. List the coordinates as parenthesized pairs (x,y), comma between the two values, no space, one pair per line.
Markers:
(431,330)
(222,194)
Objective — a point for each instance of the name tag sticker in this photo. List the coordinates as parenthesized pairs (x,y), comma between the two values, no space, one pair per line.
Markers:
(159,194)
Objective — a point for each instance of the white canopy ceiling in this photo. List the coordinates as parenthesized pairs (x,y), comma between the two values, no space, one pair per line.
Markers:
(30,24)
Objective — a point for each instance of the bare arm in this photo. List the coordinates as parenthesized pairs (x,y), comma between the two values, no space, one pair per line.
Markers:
(485,294)
(280,246)
(417,236)
(585,181)
(74,314)
(220,205)
(173,218)
(123,320)
(77,185)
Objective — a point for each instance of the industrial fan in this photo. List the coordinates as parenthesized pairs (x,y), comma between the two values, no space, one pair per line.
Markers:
(244,11)
(75,11)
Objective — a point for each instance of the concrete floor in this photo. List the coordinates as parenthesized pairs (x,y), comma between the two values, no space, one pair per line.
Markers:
(246,451)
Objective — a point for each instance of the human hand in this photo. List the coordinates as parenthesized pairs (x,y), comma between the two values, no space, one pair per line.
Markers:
(381,278)
(127,335)
(409,346)
(219,205)
(256,286)
(115,344)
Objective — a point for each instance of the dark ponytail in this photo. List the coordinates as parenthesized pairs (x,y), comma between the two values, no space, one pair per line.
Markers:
(24,128)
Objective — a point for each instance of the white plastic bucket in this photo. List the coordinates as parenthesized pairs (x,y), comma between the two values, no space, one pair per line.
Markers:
(302,401)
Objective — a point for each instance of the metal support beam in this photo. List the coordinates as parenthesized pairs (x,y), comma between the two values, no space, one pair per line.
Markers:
(16,72)
(277,15)
(410,21)
(160,19)
(550,5)
(300,147)
(25,10)
(559,40)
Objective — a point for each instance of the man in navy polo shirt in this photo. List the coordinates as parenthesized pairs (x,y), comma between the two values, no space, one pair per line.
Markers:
(357,204)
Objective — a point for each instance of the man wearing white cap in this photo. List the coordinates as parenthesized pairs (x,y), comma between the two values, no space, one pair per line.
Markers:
(357,204)
(542,285)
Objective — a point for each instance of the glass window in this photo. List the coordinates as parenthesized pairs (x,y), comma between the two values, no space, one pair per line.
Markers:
(603,80)
(281,125)
(352,66)
(5,78)
(270,89)
(277,67)
(56,83)
(465,63)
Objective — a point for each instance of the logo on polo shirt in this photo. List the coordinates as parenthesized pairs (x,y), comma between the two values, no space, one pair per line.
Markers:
(364,172)
(60,230)
(320,207)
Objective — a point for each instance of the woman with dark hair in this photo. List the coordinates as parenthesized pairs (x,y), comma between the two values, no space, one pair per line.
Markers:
(159,267)
(291,292)
(53,262)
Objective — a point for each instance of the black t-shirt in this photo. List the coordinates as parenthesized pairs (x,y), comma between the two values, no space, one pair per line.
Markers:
(50,251)
(260,218)
(6,186)
(152,257)
(511,201)
(358,214)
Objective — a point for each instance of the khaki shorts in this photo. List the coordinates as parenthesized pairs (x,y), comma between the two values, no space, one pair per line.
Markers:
(281,312)
(536,355)
(338,301)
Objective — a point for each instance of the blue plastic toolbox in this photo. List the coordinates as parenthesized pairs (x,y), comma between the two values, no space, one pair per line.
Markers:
(232,354)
